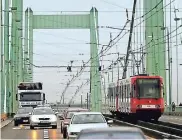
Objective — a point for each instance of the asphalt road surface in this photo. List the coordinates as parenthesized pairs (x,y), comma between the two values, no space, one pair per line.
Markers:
(24,132)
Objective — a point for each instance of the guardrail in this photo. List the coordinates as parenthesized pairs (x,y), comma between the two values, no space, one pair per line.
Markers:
(3,117)
(176,112)
(168,111)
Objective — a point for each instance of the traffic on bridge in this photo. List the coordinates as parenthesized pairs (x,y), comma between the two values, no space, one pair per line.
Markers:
(102,69)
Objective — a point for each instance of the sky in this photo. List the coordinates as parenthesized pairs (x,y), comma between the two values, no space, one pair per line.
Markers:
(59,47)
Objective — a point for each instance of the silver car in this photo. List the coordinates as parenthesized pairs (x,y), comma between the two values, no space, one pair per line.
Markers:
(43,117)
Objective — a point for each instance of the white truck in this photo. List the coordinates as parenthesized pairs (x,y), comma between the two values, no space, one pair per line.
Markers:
(30,94)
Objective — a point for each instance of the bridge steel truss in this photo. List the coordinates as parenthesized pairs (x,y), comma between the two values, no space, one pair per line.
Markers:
(154,39)
(15,61)
(64,21)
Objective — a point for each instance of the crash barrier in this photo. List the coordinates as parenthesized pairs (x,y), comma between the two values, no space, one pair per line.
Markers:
(3,117)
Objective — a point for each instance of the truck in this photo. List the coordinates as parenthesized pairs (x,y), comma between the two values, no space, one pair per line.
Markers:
(30,94)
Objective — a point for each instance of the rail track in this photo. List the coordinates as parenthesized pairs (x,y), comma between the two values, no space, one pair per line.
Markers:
(161,130)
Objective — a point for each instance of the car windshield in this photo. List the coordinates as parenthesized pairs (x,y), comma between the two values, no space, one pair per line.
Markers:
(24,110)
(43,111)
(69,115)
(111,135)
(88,118)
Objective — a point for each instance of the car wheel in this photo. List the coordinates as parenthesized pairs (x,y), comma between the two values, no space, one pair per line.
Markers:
(54,126)
(15,123)
(31,127)
(64,133)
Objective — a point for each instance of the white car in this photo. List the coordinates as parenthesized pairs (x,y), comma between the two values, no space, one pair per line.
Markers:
(86,120)
(43,117)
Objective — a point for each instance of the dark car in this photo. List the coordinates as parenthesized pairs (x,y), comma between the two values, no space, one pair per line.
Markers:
(112,133)
(22,116)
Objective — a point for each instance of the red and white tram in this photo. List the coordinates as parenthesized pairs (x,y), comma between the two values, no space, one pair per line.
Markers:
(138,97)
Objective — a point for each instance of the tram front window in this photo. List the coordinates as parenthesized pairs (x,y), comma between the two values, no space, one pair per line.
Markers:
(148,88)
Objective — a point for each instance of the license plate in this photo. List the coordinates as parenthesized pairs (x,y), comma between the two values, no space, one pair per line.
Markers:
(44,122)
(25,120)
(148,106)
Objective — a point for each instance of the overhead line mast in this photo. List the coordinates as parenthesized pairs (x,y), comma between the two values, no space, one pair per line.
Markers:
(129,41)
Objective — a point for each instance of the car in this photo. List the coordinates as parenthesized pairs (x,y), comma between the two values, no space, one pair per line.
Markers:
(60,115)
(22,116)
(47,105)
(112,133)
(86,120)
(67,117)
(43,117)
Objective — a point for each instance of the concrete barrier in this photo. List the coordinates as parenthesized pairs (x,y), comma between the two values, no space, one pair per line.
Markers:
(173,113)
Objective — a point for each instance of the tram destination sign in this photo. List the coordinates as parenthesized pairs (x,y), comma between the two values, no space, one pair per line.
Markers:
(148,81)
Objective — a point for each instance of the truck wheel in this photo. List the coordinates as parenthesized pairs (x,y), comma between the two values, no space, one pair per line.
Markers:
(64,133)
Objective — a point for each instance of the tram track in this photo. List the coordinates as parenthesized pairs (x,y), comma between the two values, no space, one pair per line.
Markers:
(161,127)
(158,131)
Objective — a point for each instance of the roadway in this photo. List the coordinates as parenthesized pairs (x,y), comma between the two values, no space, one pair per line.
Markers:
(24,132)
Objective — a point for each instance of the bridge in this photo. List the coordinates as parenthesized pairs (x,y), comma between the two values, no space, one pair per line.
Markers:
(145,33)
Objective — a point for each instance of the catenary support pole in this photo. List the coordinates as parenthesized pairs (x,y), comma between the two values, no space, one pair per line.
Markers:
(169,67)
(177,64)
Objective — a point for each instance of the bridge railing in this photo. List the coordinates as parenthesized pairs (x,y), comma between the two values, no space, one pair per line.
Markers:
(176,112)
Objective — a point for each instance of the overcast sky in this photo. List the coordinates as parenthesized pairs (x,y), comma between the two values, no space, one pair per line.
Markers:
(59,47)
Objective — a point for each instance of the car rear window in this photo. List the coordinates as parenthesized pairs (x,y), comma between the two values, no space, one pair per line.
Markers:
(69,114)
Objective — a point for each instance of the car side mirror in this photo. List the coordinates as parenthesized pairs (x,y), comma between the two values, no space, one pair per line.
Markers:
(30,113)
(56,113)
(110,121)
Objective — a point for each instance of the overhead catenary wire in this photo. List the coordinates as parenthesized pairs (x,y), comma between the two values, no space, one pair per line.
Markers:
(155,12)
(101,52)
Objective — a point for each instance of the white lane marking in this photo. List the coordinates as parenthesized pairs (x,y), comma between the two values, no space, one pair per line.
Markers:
(16,128)
(46,134)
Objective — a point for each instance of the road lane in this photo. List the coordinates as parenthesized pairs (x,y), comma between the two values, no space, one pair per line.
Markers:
(55,134)
(20,132)
(24,132)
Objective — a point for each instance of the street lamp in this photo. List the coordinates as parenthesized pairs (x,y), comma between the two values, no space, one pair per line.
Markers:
(176,19)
